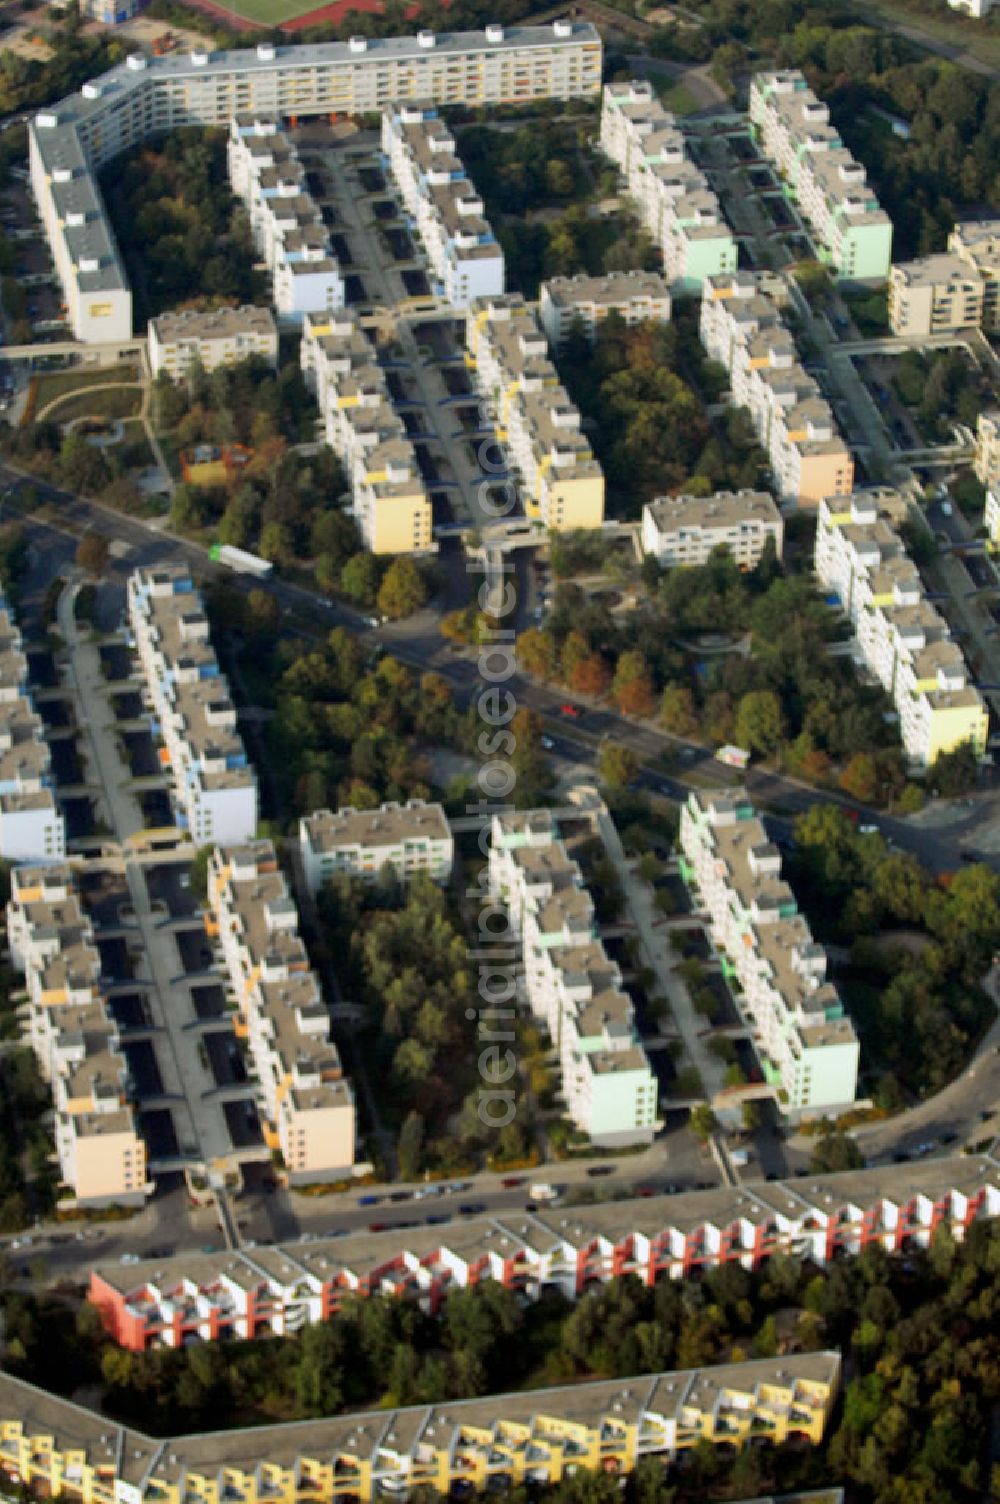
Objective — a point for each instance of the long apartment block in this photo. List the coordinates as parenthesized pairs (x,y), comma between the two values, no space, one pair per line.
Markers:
(308,1105)
(569,982)
(443,206)
(390,502)
(561,483)
(263,1292)
(959,289)
(32,828)
(792,127)
(71,141)
(987,460)
(584,302)
(804,1040)
(671,194)
(285,222)
(459,1449)
(102,1159)
(742,328)
(681,531)
(898,634)
(362,843)
(214,786)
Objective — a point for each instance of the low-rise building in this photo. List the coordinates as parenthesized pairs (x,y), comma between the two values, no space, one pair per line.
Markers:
(32,828)
(742,328)
(683,530)
(987,461)
(214,786)
(72,1031)
(672,196)
(218,337)
(561,483)
(265,1291)
(899,635)
(976,8)
(569,983)
(793,130)
(410,838)
(585,302)
(803,1038)
(307,1103)
(390,502)
(286,224)
(934,295)
(447,212)
(57,1449)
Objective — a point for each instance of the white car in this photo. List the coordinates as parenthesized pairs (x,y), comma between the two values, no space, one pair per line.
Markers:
(547,743)
(129,1258)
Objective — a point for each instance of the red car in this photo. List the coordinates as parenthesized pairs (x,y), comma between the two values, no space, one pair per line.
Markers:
(377,1226)
(573,710)
(510,1181)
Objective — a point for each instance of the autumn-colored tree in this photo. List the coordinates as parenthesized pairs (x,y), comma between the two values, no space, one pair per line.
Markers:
(860,778)
(617,765)
(632,686)
(574,650)
(93,552)
(591,676)
(537,654)
(677,710)
(403,589)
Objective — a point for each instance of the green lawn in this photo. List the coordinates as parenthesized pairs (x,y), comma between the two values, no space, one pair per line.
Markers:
(271,12)
(119,402)
(59,383)
(679,99)
(979,38)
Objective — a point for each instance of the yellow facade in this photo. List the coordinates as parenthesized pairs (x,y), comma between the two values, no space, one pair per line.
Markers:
(573,503)
(952,726)
(401,524)
(823,475)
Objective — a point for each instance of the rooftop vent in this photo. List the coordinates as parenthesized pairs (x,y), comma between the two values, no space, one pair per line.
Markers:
(494,33)
(136,62)
(265,52)
(426,39)
(358,44)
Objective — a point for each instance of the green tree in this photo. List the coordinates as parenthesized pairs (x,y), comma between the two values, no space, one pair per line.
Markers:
(759,721)
(702,1122)
(403,589)
(409,1147)
(835,1151)
(617,765)
(359,579)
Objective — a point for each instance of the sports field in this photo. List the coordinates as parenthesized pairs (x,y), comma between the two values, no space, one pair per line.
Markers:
(293,15)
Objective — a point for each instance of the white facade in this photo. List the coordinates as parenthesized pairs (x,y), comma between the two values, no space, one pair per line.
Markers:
(853,234)
(804,1039)
(683,530)
(221,337)
(587,301)
(32,828)
(215,789)
(286,225)
(741,328)
(143,97)
(390,501)
(569,983)
(410,838)
(465,256)
(672,196)
(306,1101)
(899,636)
(75,1039)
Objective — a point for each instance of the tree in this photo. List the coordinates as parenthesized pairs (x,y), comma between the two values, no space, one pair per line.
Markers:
(359,579)
(835,1151)
(591,676)
(410,1145)
(751,1116)
(702,1122)
(199,873)
(93,552)
(860,778)
(617,766)
(403,589)
(956,772)
(759,721)
(537,653)
(677,710)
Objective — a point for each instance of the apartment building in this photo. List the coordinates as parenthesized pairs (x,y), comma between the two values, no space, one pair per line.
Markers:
(900,637)
(804,1040)
(307,1102)
(72,1031)
(585,302)
(214,786)
(570,984)
(390,502)
(987,461)
(934,295)
(410,838)
(285,222)
(976,8)
(683,530)
(58,1449)
(991,519)
(977,243)
(210,339)
(671,195)
(448,214)
(273,1291)
(792,127)
(68,143)
(742,328)
(561,483)
(32,828)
